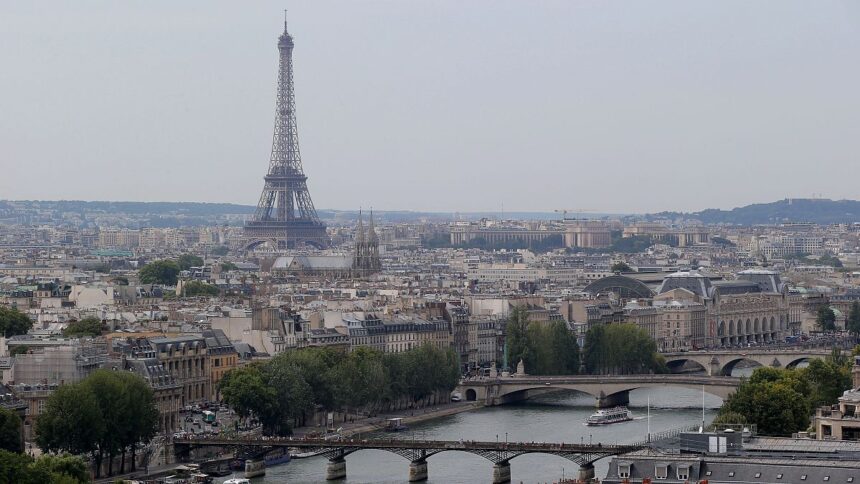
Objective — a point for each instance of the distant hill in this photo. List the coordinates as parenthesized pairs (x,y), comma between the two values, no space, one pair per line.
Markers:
(185,208)
(818,210)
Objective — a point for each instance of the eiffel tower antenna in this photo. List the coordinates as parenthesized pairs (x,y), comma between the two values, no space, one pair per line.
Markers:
(285,217)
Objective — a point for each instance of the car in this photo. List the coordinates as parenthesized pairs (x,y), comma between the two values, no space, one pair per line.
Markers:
(215,423)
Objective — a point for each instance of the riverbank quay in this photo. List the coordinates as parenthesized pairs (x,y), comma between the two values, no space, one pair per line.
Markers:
(379,421)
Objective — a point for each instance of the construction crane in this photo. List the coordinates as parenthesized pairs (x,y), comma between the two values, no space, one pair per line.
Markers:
(565,211)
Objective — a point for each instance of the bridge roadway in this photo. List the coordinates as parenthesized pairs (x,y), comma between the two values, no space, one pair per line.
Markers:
(609,390)
(722,362)
(417,451)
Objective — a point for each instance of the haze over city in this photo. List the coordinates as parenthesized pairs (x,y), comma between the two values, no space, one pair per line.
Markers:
(448,106)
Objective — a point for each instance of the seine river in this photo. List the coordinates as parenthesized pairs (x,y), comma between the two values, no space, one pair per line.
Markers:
(557,417)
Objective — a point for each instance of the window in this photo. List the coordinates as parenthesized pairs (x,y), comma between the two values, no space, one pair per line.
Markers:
(661,471)
(779,476)
(624,470)
(732,474)
(757,475)
(708,473)
(683,472)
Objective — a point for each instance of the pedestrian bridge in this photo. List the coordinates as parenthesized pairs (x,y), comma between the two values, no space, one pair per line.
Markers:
(254,449)
(608,390)
(722,362)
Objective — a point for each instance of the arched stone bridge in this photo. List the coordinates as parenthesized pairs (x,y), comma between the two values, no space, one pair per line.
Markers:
(722,362)
(609,390)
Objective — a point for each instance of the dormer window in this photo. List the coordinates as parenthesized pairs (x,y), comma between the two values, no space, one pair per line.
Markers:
(624,470)
(661,471)
(683,472)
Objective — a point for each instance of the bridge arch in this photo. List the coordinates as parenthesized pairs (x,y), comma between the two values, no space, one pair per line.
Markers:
(471,395)
(792,363)
(729,366)
(675,365)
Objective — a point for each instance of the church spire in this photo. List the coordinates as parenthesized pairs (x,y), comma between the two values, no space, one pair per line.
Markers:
(371,230)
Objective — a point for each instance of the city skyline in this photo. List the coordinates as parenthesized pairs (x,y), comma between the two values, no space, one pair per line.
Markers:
(531,108)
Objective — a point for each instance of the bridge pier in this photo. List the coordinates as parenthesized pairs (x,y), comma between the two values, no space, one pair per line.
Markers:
(418,471)
(502,473)
(586,472)
(714,367)
(614,400)
(336,469)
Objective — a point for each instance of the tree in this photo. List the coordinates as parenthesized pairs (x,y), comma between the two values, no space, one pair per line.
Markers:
(16,468)
(70,422)
(729,418)
(199,288)
(853,321)
(140,415)
(10,431)
(106,413)
(228,266)
(775,400)
(89,326)
(517,341)
(825,318)
(621,267)
(828,379)
(187,261)
(245,391)
(14,322)
(220,250)
(63,465)
(160,272)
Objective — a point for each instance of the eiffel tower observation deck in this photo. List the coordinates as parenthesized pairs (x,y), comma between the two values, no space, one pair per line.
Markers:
(285,217)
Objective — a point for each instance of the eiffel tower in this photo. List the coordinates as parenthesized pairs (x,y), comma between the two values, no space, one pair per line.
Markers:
(285,217)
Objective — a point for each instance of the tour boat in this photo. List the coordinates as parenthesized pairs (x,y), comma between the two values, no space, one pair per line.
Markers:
(606,416)
(395,425)
(240,480)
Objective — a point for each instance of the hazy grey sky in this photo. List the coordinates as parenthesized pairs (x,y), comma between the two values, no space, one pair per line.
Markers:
(446,105)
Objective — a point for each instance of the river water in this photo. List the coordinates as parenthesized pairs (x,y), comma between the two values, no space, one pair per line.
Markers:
(556,417)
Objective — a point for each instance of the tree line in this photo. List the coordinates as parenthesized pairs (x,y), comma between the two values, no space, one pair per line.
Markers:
(282,392)
(109,413)
(544,349)
(552,349)
(621,349)
(780,401)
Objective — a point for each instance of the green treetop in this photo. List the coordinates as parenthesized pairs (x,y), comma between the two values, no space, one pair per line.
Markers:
(160,272)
